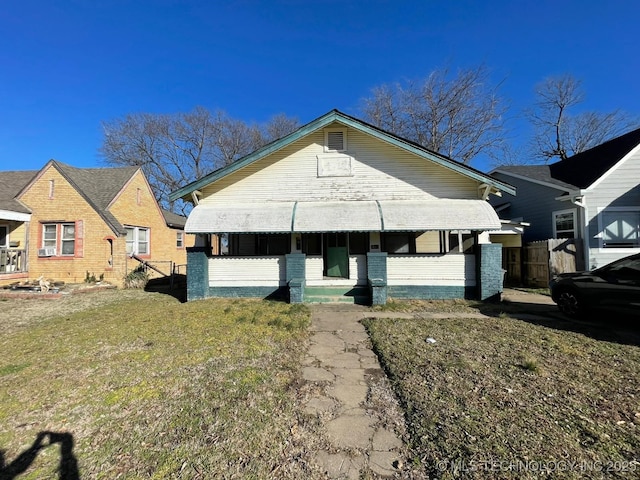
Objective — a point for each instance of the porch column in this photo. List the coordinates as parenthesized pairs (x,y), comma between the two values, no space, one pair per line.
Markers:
(197,273)
(377,277)
(296,274)
(490,274)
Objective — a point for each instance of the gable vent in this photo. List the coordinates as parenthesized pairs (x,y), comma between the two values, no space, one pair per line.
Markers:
(336,141)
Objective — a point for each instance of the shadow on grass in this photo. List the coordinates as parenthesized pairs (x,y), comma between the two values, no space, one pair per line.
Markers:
(599,325)
(176,288)
(67,468)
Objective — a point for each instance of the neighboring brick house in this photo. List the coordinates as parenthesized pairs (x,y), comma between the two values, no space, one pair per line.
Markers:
(88,221)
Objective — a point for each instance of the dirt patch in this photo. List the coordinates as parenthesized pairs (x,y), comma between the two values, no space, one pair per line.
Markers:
(23,309)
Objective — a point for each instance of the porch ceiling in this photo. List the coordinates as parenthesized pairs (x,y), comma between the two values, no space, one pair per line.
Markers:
(344,216)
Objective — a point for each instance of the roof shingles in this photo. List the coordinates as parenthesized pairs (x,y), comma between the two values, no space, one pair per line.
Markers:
(583,169)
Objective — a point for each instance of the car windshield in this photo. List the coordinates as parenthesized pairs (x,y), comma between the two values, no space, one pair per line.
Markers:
(627,267)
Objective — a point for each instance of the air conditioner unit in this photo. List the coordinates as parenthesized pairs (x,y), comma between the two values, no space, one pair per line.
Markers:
(47,252)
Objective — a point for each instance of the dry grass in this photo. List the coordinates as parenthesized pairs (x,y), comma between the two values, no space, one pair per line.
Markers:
(151,388)
(493,396)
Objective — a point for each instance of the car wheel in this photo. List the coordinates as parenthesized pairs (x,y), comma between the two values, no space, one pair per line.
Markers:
(569,303)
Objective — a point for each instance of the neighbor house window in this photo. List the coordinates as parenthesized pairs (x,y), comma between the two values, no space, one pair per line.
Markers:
(59,238)
(564,224)
(620,227)
(179,239)
(137,240)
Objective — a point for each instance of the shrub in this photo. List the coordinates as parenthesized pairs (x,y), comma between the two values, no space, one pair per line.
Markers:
(137,278)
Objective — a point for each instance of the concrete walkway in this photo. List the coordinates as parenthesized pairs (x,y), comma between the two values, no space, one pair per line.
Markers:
(340,360)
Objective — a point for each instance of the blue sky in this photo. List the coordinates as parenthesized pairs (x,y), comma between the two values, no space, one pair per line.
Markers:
(68,65)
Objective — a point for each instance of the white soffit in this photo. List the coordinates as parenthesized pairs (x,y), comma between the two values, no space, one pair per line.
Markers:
(241,218)
(440,214)
(337,216)
(15,216)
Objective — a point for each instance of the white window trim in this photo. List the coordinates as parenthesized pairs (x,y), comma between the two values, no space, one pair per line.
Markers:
(180,240)
(59,239)
(326,139)
(136,230)
(554,216)
(601,248)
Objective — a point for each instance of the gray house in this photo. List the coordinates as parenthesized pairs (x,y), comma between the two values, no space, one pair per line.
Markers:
(593,196)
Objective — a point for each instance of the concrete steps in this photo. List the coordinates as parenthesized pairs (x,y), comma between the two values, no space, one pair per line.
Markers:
(338,294)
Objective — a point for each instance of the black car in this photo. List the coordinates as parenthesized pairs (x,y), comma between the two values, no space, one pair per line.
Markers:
(615,286)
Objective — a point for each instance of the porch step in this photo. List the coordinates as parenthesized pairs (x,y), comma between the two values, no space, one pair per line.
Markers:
(337,294)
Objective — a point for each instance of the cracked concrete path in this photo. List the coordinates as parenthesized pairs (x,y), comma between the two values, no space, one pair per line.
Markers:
(341,362)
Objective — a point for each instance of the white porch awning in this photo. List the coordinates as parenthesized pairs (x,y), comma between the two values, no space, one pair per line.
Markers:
(362,216)
(241,218)
(439,214)
(344,216)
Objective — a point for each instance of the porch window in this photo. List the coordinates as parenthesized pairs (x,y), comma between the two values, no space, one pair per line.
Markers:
(59,237)
(312,244)
(260,244)
(4,236)
(137,240)
(399,243)
(274,244)
(461,242)
(564,224)
(358,243)
(620,228)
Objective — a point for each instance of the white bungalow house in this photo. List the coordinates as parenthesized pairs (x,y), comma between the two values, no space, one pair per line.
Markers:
(340,209)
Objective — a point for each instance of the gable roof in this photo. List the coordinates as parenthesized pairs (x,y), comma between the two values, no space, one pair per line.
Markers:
(352,122)
(11,183)
(99,187)
(583,169)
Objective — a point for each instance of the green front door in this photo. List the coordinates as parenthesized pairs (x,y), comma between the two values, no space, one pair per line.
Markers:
(337,256)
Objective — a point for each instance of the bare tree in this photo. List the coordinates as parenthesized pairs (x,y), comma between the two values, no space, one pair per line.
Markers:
(460,116)
(560,134)
(174,150)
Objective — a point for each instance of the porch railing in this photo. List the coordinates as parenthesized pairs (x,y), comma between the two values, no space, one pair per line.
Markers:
(12,260)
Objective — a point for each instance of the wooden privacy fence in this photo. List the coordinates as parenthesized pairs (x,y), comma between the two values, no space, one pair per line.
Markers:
(545,259)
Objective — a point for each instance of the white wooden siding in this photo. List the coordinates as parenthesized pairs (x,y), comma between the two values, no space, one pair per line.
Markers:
(380,171)
(247,271)
(424,269)
(428,242)
(313,268)
(358,269)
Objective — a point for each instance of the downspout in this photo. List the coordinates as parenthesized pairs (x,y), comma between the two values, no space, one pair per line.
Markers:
(580,202)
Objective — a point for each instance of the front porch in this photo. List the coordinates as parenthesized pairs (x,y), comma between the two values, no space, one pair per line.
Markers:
(14,265)
(368,278)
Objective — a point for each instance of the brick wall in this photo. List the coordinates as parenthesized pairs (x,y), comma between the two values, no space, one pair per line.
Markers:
(98,249)
(490,274)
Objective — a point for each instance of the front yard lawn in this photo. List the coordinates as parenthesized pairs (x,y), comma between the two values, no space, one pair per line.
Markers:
(142,386)
(503,398)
